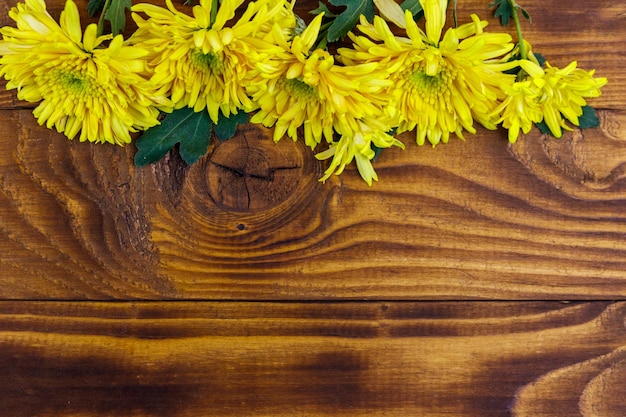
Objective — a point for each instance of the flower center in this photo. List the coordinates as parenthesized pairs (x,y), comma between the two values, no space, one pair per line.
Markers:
(73,82)
(423,81)
(209,61)
(299,89)
(429,87)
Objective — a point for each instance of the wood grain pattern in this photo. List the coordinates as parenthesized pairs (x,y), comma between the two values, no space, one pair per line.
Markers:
(284,359)
(441,224)
(539,220)
(467,220)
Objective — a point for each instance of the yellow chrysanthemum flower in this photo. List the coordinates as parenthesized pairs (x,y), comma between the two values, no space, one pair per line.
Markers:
(441,85)
(520,110)
(553,95)
(82,86)
(563,92)
(357,145)
(296,85)
(202,60)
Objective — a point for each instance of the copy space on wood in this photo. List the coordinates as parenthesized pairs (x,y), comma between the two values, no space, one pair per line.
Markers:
(543,218)
(469,219)
(530,359)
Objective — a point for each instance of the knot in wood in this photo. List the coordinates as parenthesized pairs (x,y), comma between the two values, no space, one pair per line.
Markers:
(250,172)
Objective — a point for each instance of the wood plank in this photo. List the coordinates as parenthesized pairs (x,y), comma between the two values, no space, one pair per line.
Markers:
(468,220)
(283,359)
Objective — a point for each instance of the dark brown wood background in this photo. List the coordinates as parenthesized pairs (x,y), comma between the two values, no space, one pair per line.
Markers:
(475,279)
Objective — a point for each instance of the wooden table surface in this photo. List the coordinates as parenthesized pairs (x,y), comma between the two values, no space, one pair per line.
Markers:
(475,279)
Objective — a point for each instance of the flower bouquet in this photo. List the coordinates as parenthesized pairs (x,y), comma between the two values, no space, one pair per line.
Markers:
(347,79)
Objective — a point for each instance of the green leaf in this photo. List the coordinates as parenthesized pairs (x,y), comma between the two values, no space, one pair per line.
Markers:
(191,130)
(197,137)
(589,118)
(322,8)
(504,11)
(514,70)
(94,7)
(346,20)
(377,151)
(543,128)
(226,127)
(413,6)
(540,59)
(116,14)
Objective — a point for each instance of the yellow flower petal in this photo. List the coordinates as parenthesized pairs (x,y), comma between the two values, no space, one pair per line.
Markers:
(70,21)
(391,11)
(435,16)
(90,37)
(439,87)
(78,91)
(309,35)
(205,66)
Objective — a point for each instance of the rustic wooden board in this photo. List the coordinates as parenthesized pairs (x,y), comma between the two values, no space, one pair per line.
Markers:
(444,223)
(541,219)
(529,359)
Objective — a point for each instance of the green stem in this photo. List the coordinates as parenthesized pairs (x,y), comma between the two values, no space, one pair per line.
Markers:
(107,4)
(214,6)
(325,26)
(322,41)
(518,27)
(454,16)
